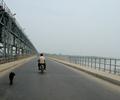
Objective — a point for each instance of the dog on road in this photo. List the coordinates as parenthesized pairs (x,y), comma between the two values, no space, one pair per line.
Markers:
(11,77)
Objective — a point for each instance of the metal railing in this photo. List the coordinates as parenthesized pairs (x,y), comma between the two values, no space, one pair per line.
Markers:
(110,65)
(4,7)
(14,44)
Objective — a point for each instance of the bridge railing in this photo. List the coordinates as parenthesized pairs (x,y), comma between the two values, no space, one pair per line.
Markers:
(12,58)
(110,65)
(14,44)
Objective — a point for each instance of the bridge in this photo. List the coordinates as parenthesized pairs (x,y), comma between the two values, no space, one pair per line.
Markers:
(13,41)
(66,78)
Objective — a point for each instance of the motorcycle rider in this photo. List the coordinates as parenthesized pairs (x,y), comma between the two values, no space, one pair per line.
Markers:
(41,61)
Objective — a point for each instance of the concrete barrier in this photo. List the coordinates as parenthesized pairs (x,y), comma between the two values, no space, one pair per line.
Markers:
(17,63)
(115,79)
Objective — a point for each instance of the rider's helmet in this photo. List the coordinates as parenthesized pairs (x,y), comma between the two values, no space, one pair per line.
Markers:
(41,54)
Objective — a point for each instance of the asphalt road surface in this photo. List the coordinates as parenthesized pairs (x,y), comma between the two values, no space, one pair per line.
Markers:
(59,82)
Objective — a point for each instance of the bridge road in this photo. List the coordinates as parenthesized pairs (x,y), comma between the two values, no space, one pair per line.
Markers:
(59,82)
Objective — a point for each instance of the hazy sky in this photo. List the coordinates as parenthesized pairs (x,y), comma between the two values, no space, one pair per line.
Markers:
(77,27)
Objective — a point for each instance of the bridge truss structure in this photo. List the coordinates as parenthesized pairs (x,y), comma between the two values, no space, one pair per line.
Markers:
(13,42)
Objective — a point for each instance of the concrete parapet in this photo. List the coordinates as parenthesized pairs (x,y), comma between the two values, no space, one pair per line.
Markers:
(17,63)
(115,79)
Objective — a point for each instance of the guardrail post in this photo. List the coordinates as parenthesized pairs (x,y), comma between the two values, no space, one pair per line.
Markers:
(70,59)
(95,63)
(82,61)
(110,66)
(99,63)
(91,61)
(115,67)
(75,60)
(85,61)
(104,64)
(88,61)
(79,60)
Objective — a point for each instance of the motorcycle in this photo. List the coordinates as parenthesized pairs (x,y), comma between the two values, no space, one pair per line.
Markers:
(41,67)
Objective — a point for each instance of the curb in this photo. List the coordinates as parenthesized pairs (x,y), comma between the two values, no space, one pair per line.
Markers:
(8,68)
(15,64)
(113,81)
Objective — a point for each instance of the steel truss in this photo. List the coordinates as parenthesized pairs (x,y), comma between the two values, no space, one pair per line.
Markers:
(13,42)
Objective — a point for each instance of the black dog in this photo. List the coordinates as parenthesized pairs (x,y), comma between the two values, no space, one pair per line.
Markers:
(11,77)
